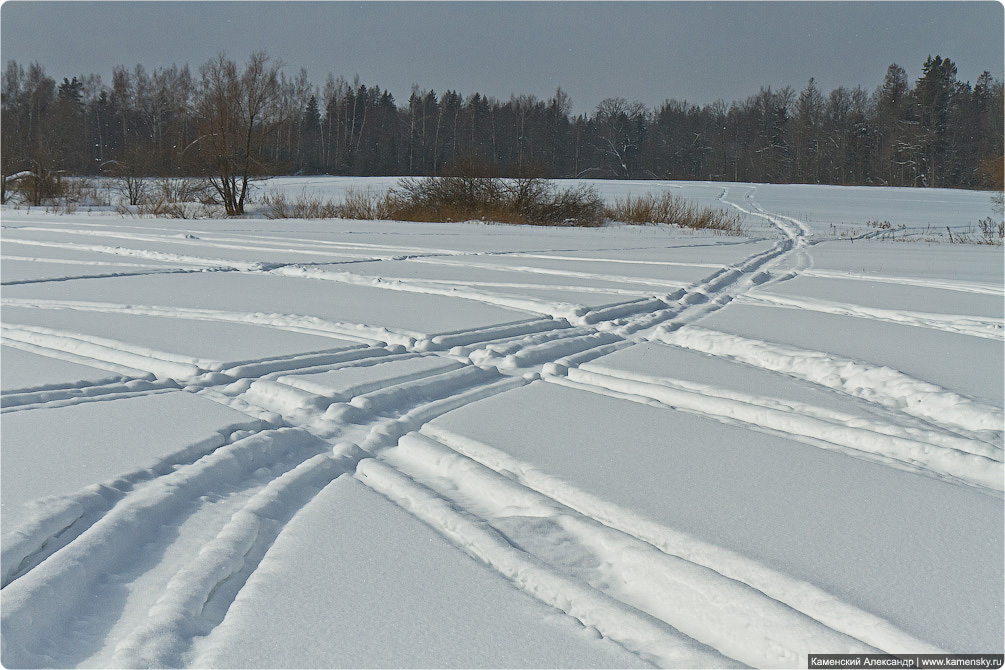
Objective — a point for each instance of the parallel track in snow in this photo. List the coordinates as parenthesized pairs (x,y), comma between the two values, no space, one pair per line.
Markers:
(689,603)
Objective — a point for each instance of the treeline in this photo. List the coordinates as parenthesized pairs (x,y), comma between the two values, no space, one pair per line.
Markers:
(938,131)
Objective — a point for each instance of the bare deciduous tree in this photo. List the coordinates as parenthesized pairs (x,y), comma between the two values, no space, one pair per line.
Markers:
(232,122)
(236,112)
(620,124)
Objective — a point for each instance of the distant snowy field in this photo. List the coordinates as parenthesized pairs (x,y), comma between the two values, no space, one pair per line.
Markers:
(256,443)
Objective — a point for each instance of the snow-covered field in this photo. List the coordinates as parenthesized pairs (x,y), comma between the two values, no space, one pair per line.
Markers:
(255,443)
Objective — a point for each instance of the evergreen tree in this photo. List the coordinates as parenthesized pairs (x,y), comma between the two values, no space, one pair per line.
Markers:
(807,133)
(935,92)
(310,137)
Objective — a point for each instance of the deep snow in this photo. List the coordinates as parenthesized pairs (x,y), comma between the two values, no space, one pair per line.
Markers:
(255,443)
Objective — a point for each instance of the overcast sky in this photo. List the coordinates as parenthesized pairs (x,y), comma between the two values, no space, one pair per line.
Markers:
(647,51)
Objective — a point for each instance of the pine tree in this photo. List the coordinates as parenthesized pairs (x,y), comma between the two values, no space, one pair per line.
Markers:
(934,92)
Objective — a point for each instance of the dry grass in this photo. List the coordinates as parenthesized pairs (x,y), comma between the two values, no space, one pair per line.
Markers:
(445,199)
(989,231)
(278,206)
(366,205)
(667,208)
(356,204)
(524,201)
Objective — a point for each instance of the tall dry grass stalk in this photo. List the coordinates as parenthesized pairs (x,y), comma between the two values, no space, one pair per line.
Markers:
(670,209)
(356,204)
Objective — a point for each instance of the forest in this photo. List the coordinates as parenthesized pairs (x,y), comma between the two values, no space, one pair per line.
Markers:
(235,121)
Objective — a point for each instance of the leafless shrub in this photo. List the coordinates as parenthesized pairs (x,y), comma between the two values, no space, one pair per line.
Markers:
(532,201)
(59,206)
(667,208)
(579,206)
(366,205)
(87,193)
(992,231)
(278,206)
(129,175)
(182,189)
(66,195)
(448,198)
(173,198)
(34,187)
(529,200)
(133,188)
(993,228)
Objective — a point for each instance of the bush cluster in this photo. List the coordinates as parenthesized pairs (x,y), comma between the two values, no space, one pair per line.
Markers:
(53,191)
(530,200)
(171,198)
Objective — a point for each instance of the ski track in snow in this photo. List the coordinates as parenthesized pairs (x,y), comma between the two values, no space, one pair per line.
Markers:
(879,384)
(928,452)
(948,285)
(672,599)
(989,328)
(737,607)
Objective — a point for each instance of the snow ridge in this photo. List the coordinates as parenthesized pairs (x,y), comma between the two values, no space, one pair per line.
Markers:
(801,597)
(882,385)
(989,328)
(887,444)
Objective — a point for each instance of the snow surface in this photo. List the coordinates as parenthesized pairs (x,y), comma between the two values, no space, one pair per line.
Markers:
(25,371)
(255,443)
(844,524)
(370,583)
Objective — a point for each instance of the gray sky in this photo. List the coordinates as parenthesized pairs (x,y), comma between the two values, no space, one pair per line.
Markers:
(647,51)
